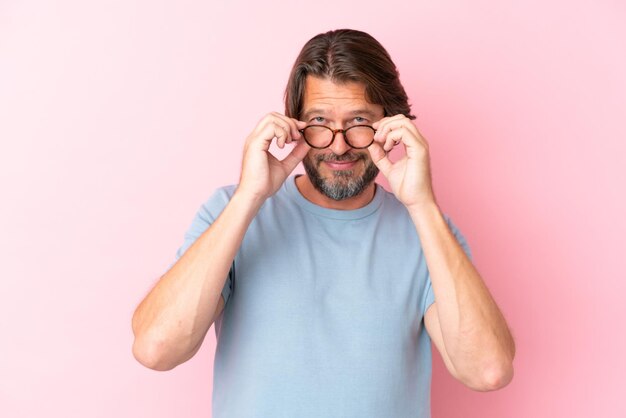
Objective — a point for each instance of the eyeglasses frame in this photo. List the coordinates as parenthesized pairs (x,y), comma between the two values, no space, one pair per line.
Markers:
(335,132)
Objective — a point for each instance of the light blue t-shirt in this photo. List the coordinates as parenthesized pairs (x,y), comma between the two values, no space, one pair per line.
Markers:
(324,311)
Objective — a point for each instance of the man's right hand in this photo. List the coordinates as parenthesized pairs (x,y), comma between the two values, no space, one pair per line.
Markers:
(262,173)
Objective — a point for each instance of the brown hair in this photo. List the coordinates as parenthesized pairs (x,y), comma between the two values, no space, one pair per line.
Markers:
(348,55)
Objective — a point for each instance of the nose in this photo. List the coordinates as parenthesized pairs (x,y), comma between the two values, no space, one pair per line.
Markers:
(339,145)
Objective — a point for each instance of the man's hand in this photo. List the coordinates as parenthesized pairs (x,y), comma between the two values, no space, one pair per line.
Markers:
(409,177)
(262,174)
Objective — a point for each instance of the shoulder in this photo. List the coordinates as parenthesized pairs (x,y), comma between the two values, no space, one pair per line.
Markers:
(215,203)
(223,193)
(220,195)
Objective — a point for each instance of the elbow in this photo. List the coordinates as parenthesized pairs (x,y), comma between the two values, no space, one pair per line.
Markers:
(498,377)
(493,378)
(147,350)
(495,371)
(149,354)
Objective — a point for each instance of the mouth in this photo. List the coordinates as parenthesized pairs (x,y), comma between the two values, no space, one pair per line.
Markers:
(342,162)
(341,165)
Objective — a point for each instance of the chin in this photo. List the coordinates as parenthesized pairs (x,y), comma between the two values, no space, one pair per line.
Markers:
(341,184)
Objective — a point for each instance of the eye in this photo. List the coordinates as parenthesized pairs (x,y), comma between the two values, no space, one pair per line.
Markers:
(359,119)
(318,119)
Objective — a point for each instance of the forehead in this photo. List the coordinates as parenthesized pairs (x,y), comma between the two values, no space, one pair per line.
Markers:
(325,96)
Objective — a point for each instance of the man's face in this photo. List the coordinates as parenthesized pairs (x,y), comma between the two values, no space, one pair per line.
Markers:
(339,171)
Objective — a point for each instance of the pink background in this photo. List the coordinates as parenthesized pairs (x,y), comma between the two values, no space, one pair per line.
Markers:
(119,118)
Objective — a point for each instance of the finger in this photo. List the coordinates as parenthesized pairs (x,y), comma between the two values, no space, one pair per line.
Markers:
(392,139)
(263,138)
(294,130)
(381,122)
(282,134)
(409,127)
(398,135)
(263,123)
(380,158)
(377,124)
(296,155)
(413,146)
(392,124)
(277,119)
(380,125)
(300,125)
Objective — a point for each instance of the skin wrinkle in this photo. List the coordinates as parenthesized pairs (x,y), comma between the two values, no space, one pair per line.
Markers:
(322,112)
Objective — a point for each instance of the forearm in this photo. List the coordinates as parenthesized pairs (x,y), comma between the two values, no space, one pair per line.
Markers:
(475,333)
(173,319)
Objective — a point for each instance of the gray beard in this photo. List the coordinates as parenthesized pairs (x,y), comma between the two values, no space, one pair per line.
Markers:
(342,185)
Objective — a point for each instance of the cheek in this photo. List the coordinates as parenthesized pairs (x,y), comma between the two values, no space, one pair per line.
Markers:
(315,156)
(309,157)
(366,157)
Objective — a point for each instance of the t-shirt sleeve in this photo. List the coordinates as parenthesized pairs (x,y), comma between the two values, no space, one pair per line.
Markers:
(205,216)
(430,294)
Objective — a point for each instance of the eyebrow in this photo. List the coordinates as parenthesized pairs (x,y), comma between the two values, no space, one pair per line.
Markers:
(320,111)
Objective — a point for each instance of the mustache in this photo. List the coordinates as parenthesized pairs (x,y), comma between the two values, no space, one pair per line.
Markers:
(349,156)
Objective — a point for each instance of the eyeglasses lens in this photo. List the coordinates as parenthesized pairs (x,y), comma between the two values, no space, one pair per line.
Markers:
(356,136)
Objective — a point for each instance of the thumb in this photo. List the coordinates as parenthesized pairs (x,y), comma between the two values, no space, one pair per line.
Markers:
(380,158)
(295,156)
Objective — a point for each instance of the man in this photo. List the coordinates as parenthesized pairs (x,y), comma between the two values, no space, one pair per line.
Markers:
(326,290)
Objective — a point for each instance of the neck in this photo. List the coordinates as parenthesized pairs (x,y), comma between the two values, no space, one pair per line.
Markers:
(310,193)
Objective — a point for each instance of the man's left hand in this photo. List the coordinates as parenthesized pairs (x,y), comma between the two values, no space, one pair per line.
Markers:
(409,177)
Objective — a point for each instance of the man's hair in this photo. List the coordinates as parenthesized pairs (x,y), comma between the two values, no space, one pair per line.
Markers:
(345,55)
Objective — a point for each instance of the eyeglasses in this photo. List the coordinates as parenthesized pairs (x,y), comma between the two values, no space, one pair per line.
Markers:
(319,137)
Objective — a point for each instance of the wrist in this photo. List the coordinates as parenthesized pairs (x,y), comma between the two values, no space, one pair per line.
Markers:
(424,212)
(248,198)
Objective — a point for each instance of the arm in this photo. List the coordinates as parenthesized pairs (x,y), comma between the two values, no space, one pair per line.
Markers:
(170,323)
(465,322)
